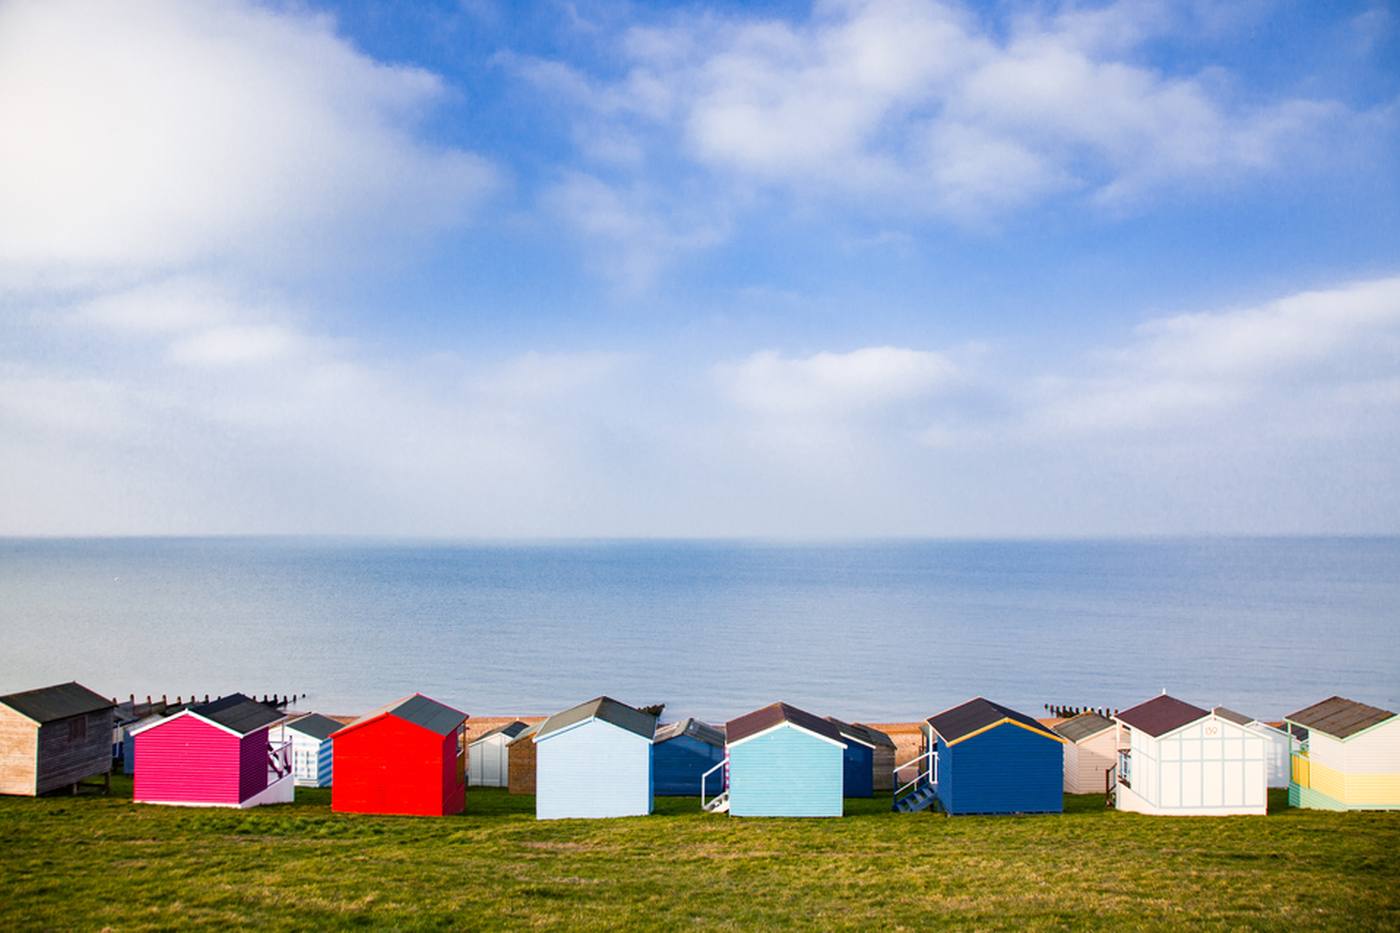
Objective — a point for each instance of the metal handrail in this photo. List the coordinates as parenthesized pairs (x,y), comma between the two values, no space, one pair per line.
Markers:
(706,775)
(931,772)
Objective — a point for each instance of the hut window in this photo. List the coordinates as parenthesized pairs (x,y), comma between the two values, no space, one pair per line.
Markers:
(77,729)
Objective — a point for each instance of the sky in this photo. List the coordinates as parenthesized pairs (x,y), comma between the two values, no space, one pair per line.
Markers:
(843,269)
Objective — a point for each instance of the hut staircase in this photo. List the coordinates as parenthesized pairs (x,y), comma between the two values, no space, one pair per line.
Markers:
(720,802)
(921,792)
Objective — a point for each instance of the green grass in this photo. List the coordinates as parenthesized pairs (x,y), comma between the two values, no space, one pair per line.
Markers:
(94,862)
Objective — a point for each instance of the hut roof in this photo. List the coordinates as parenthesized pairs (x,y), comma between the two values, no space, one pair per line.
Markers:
(420,710)
(1239,719)
(862,734)
(1161,714)
(1086,725)
(749,724)
(1340,717)
(315,725)
(978,714)
(525,734)
(692,727)
(48,704)
(510,730)
(608,710)
(238,713)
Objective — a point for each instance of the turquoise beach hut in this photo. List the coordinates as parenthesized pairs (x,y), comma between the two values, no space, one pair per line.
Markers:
(783,761)
(594,760)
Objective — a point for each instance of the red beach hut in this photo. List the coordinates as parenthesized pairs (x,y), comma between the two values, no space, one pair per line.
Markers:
(406,758)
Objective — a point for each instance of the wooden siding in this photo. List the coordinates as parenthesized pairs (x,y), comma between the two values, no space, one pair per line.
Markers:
(1213,767)
(252,764)
(786,772)
(394,767)
(522,767)
(1006,769)
(19,753)
(1086,762)
(882,780)
(678,763)
(186,760)
(68,754)
(858,770)
(593,770)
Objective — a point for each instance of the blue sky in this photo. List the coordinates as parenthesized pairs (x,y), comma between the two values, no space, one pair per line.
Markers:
(839,269)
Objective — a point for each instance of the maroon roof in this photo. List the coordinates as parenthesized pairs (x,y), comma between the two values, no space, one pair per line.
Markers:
(776,714)
(978,713)
(1161,715)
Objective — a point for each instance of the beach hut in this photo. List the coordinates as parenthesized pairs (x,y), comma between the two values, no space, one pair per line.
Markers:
(521,761)
(407,758)
(217,754)
(54,737)
(858,759)
(310,735)
(1348,757)
(1180,760)
(782,761)
(488,757)
(1091,752)
(680,753)
(884,759)
(1278,745)
(594,760)
(989,758)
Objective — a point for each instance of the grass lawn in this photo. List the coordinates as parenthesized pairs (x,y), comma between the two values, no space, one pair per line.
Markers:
(92,862)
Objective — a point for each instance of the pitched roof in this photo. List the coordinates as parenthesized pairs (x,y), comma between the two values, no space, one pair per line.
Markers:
(1087,724)
(510,730)
(526,734)
(238,713)
(1239,719)
(736,730)
(977,714)
(1161,714)
(420,710)
(605,708)
(1340,717)
(47,704)
(862,734)
(692,727)
(315,725)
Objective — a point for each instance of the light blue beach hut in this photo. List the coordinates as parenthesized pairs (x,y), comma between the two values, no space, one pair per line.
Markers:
(782,762)
(594,760)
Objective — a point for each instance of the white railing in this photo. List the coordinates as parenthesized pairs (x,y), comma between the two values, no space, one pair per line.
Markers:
(930,773)
(279,761)
(723,790)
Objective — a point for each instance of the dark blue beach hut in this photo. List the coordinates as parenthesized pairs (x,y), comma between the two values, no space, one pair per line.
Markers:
(680,753)
(858,761)
(989,758)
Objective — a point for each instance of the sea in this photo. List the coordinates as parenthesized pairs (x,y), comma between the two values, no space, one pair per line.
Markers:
(876,631)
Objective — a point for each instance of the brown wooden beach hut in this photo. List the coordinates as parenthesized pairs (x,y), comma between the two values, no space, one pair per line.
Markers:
(521,762)
(54,737)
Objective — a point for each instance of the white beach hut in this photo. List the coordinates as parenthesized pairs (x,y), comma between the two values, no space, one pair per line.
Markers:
(1180,760)
(310,736)
(1279,748)
(488,757)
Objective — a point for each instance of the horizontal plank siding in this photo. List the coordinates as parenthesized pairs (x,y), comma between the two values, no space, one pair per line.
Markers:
(677,765)
(593,770)
(74,748)
(858,767)
(185,760)
(19,753)
(1006,769)
(786,772)
(390,766)
(252,764)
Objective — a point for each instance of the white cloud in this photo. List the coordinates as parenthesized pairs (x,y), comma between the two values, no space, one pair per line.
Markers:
(833,384)
(149,135)
(236,344)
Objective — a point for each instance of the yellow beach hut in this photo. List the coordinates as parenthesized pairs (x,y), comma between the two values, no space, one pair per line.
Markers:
(1348,757)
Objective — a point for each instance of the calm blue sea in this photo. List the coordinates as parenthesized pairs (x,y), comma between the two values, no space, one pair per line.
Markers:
(872,631)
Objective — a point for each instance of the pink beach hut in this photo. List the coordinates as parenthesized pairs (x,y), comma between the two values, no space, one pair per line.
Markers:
(214,755)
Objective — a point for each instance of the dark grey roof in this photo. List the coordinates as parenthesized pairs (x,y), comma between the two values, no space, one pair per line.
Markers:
(1239,719)
(526,734)
(775,714)
(239,713)
(60,701)
(510,730)
(430,714)
(1340,717)
(1085,725)
(977,713)
(860,733)
(608,710)
(692,727)
(315,725)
